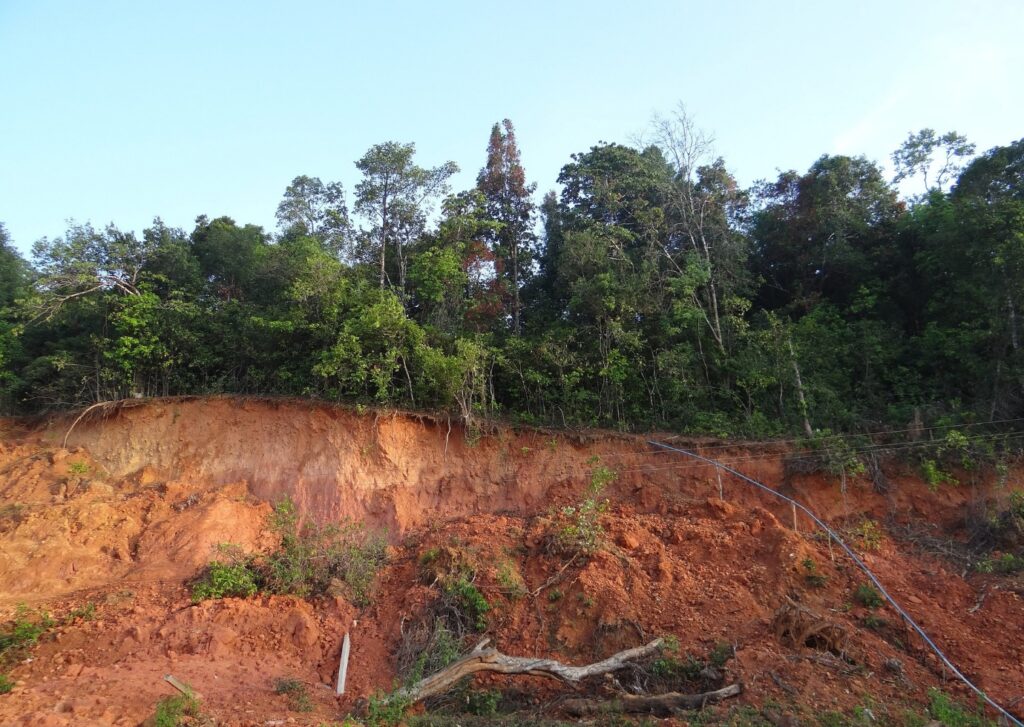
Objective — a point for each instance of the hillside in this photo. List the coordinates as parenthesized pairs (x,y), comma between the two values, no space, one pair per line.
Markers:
(105,532)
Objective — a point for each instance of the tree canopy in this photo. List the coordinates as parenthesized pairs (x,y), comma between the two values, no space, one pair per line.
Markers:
(651,290)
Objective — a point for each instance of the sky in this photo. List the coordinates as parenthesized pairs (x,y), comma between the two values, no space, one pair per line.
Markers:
(124,111)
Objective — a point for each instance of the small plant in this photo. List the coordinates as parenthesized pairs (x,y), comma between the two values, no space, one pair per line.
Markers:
(869,534)
(311,558)
(23,632)
(230,578)
(298,694)
(720,655)
(867,596)
(812,576)
(483,702)
(6,685)
(1007,563)
(510,580)
(873,622)
(384,710)
(947,712)
(579,527)
(934,476)
(78,468)
(555,595)
(470,600)
(85,613)
(181,709)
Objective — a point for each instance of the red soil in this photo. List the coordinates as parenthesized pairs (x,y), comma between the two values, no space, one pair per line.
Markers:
(132,508)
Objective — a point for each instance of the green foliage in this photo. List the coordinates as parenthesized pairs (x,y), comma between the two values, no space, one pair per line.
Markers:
(23,632)
(470,600)
(868,534)
(181,709)
(78,468)
(812,577)
(311,558)
(578,527)
(297,692)
(385,710)
(934,475)
(84,613)
(949,713)
(1007,563)
(866,595)
(662,295)
(483,702)
(6,684)
(225,580)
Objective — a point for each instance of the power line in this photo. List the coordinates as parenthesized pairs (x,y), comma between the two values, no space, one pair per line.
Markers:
(830,437)
(860,564)
(811,454)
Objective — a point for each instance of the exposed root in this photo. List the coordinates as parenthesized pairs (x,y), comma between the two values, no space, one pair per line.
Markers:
(800,627)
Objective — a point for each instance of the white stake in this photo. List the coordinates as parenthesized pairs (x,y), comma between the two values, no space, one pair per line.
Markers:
(343,664)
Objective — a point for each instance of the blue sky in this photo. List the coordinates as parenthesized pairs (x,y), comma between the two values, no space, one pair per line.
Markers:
(121,111)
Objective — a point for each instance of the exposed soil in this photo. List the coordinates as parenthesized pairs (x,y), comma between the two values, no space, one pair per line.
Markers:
(133,506)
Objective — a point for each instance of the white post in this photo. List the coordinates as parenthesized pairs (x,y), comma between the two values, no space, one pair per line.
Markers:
(343,664)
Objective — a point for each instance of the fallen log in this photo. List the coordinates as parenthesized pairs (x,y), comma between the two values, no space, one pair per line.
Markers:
(658,704)
(481,659)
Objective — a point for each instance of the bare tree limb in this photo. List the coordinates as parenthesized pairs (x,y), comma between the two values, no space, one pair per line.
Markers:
(492,660)
(660,704)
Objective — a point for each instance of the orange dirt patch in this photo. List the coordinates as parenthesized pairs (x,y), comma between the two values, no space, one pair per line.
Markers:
(135,504)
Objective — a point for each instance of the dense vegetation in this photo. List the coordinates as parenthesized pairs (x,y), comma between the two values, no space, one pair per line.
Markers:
(652,291)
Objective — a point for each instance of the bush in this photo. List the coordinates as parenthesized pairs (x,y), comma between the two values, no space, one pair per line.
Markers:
(23,632)
(225,580)
(298,694)
(182,709)
(578,527)
(6,685)
(867,596)
(1006,564)
(311,559)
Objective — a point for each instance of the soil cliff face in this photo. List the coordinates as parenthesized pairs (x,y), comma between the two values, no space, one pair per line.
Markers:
(135,503)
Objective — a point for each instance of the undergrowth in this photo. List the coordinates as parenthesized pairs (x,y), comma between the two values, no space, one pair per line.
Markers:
(310,560)
(178,711)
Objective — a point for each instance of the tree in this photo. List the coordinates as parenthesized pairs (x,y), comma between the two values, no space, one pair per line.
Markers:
(503,182)
(313,208)
(703,205)
(917,154)
(394,194)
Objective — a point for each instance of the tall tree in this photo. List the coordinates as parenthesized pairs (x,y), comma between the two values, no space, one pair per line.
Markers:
(394,194)
(509,202)
(310,207)
(917,155)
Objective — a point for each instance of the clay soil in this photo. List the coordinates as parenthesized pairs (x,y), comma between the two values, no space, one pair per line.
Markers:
(126,511)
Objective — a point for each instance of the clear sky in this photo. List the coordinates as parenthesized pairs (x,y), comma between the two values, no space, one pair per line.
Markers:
(122,111)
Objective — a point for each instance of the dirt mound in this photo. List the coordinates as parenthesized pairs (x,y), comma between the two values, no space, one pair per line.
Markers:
(133,507)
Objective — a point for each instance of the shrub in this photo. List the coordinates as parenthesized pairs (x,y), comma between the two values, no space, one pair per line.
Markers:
(182,709)
(225,580)
(812,576)
(23,632)
(867,596)
(578,527)
(6,685)
(869,534)
(1007,563)
(298,694)
(311,558)
(470,600)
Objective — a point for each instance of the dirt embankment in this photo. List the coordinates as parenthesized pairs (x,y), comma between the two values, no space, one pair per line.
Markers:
(135,503)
